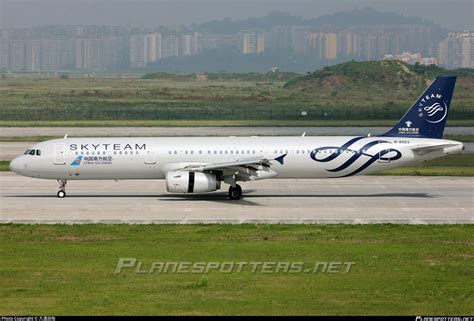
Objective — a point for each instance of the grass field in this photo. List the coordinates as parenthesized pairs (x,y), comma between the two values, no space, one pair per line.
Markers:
(217,123)
(4,166)
(399,269)
(166,102)
(451,165)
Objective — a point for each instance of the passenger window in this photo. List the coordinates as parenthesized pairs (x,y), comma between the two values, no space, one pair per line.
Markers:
(38,152)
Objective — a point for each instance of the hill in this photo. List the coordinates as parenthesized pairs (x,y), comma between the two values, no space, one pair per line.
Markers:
(357,17)
(379,77)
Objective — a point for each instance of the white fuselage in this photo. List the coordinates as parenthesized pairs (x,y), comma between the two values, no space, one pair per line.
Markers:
(151,158)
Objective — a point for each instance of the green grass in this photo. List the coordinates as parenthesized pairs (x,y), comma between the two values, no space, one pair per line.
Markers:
(4,166)
(19,139)
(400,269)
(243,99)
(451,165)
(215,123)
(461,138)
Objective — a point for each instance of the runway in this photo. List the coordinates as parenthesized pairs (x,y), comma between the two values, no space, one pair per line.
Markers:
(356,200)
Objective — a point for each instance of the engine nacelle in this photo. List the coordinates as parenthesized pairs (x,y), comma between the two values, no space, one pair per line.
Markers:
(191,182)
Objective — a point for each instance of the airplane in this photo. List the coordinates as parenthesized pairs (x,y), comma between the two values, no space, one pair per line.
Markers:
(202,164)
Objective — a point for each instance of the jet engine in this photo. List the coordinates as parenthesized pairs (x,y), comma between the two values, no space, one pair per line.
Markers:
(191,182)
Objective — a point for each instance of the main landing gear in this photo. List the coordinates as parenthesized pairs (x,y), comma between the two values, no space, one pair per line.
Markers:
(62,188)
(235,193)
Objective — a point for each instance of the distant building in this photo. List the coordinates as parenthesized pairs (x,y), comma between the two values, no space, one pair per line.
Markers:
(16,53)
(280,38)
(170,46)
(138,51)
(216,41)
(322,45)
(299,40)
(260,42)
(3,55)
(66,53)
(49,60)
(253,42)
(346,44)
(100,54)
(412,58)
(457,50)
(330,46)
(144,49)
(153,47)
(189,44)
(32,56)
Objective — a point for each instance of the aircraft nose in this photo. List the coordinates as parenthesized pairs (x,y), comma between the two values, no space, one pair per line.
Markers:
(18,165)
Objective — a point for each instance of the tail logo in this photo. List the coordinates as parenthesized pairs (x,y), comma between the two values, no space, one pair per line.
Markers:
(434,112)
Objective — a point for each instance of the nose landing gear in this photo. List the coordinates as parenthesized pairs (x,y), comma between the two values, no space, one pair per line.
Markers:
(62,188)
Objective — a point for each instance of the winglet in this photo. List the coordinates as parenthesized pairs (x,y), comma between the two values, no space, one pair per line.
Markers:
(279,159)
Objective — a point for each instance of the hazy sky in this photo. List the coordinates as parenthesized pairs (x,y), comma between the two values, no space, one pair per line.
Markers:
(453,14)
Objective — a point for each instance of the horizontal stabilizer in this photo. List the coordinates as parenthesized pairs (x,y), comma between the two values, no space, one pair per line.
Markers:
(427,148)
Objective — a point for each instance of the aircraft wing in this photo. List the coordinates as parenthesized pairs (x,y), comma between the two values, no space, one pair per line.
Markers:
(244,169)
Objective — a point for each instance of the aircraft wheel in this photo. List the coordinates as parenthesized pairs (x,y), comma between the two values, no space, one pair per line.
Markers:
(235,193)
(61,194)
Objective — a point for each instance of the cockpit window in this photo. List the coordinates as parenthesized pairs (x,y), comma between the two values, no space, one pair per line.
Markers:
(32,152)
(27,152)
(38,152)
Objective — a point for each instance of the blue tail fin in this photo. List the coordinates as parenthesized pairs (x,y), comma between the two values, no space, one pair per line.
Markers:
(427,117)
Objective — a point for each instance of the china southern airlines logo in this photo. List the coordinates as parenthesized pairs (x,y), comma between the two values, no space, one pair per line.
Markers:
(385,155)
(77,161)
(432,108)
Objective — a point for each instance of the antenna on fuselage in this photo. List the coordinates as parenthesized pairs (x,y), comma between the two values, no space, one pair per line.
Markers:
(304,134)
(368,135)
(65,136)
